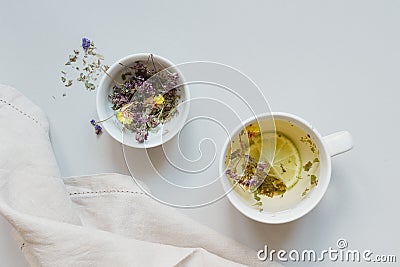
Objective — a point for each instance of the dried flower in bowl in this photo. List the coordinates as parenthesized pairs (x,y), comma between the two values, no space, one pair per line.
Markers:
(145,97)
(144,93)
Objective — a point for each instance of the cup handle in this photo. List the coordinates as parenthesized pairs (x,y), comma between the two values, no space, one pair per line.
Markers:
(338,143)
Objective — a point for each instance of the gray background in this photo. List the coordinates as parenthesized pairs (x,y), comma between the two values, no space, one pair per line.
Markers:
(335,63)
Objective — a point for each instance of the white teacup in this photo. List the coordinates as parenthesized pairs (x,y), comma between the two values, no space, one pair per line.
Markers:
(328,147)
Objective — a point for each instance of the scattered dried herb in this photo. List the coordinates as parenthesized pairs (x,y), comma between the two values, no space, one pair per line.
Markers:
(86,66)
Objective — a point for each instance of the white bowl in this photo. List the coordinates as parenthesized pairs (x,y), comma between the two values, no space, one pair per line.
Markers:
(115,128)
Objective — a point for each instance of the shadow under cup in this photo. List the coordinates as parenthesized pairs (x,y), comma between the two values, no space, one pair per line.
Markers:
(313,179)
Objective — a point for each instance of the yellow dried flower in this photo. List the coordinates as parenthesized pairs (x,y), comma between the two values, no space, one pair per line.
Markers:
(158,99)
(122,119)
(125,116)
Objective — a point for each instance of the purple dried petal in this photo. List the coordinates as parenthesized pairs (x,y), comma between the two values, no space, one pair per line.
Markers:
(85,44)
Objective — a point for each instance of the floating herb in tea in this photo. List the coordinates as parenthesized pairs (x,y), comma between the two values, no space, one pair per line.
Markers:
(252,170)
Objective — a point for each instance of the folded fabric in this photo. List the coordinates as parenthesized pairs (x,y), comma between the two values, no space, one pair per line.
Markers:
(98,220)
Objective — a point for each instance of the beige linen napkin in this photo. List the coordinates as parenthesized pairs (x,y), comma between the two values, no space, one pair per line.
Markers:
(99,220)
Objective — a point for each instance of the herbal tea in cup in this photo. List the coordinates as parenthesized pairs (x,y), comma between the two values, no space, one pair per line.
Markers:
(274,169)
(277,167)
